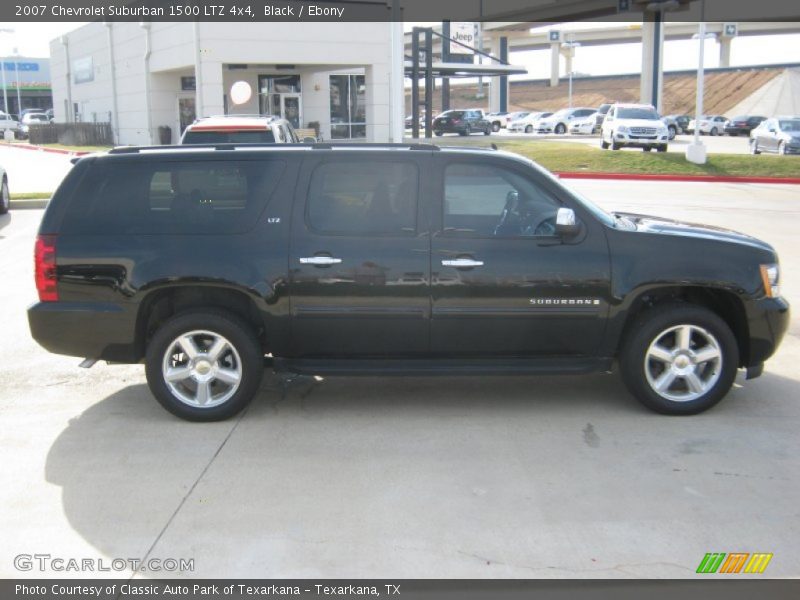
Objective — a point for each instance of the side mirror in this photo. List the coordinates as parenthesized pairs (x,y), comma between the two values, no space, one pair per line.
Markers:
(309,140)
(566,222)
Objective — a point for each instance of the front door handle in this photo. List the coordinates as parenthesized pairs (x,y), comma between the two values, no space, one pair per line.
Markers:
(320,261)
(462,263)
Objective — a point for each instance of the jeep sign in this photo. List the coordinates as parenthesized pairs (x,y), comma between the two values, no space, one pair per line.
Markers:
(464,33)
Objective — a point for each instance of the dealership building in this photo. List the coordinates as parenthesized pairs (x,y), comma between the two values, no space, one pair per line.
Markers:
(347,78)
(25,84)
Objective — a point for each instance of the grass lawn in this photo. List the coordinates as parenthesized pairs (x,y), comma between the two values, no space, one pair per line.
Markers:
(575,157)
(31,196)
(77,148)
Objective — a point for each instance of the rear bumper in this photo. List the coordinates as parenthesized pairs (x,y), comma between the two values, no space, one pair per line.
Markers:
(768,321)
(86,330)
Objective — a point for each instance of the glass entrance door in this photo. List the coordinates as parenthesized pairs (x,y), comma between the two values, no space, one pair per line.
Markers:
(290,109)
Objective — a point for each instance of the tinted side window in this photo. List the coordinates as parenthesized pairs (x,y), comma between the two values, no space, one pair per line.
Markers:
(363,198)
(255,136)
(489,201)
(202,197)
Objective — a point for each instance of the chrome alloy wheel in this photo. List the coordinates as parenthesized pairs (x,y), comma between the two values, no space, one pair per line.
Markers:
(202,369)
(683,363)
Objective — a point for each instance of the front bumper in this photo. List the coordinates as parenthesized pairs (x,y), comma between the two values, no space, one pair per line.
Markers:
(768,321)
(640,141)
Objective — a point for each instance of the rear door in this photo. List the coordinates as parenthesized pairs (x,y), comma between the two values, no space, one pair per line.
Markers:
(359,258)
(502,283)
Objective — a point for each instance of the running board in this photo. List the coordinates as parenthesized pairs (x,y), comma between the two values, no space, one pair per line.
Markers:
(433,366)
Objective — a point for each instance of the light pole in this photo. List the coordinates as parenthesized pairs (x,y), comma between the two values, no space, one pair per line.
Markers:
(568,49)
(5,91)
(696,151)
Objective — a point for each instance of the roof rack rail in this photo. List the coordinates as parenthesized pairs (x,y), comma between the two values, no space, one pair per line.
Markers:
(410,146)
(223,146)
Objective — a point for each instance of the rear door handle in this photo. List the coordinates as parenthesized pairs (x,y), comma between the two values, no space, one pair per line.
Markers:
(462,263)
(320,261)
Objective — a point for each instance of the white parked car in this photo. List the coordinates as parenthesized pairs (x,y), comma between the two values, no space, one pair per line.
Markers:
(634,125)
(708,124)
(584,126)
(31,118)
(560,121)
(527,123)
(5,196)
(8,123)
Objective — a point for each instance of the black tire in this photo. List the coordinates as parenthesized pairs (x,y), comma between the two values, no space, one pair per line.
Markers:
(714,132)
(529,129)
(649,327)
(615,145)
(495,127)
(662,148)
(5,197)
(560,129)
(672,132)
(603,144)
(239,335)
(754,147)
(647,148)
(487,131)
(782,148)
(438,133)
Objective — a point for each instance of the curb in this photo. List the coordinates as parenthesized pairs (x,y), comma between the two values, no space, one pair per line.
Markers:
(50,150)
(28,204)
(686,178)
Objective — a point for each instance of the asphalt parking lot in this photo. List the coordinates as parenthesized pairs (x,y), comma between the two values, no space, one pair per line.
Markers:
(406,477)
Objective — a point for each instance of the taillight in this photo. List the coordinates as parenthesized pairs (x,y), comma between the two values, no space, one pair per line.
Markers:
(44,257)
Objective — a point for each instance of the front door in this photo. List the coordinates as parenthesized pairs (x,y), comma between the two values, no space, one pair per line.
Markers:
(502,282)
(359,259)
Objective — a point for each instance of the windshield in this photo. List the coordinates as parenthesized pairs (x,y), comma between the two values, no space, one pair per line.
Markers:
(646,114)
(792,125)
(229,137)
(563,112)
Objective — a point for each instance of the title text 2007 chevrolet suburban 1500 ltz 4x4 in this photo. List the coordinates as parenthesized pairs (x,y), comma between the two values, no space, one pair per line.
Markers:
(322,259)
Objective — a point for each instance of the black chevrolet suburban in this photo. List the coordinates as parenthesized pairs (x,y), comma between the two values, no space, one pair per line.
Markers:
(208,264)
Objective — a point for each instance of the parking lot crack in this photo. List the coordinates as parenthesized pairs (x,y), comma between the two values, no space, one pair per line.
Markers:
(191,489)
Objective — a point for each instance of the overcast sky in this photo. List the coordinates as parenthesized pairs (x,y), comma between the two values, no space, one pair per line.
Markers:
(32,39)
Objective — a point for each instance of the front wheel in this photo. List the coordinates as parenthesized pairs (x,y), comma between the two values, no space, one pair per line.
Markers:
(561,129)
(662,148)
(529,129)
(495,127)
(204,365)
(5,198)
(672,132)
(679,359)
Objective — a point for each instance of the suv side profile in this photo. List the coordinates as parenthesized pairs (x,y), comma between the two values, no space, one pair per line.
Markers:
(634,125)
(240,129)
(386,259)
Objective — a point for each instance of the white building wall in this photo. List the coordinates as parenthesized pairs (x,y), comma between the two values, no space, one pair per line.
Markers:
(312,49)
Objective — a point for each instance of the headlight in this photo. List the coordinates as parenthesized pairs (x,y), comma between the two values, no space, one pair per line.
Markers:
(622,129)
(771,276)
(662,130)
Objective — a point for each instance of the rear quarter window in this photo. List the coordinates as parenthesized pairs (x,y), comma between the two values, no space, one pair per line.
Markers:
(174,197)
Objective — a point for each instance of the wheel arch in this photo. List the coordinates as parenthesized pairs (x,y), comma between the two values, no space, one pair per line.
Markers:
(724,303)
(166,302)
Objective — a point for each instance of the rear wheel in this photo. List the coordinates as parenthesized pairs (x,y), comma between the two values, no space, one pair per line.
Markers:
(204,365)
(662,148)
(603,143)
(679,359)
(5,198)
